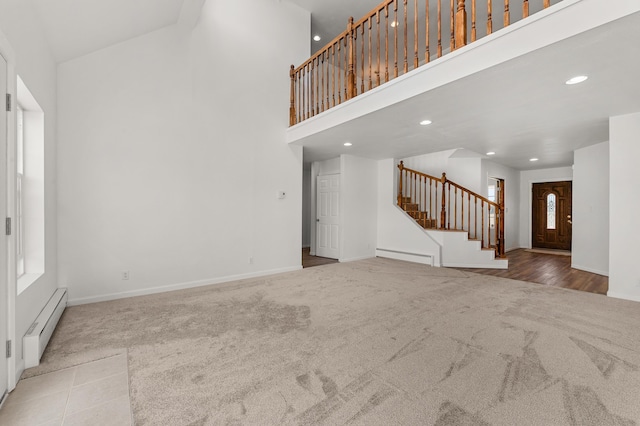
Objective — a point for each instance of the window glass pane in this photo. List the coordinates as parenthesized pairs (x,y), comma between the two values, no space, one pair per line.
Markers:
(20,144)
(551,211)
(19,226)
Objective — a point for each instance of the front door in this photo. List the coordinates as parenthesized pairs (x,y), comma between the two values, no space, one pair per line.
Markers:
(4,307)
(328,217)
(551,215)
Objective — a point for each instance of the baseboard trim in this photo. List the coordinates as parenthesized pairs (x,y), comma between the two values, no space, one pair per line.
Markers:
(424,258)
(179,286)
(592,270)
(481,266)
(616,295)
(353,259)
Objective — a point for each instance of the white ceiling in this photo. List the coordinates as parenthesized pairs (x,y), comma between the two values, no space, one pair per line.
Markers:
(76,27)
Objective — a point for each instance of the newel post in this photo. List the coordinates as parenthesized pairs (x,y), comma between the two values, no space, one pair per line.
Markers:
(501,247)
(351,77)
(292,107)
(461,25)
(401,168)
(443,212)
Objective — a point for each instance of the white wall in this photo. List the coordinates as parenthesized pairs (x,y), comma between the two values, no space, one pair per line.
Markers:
(160,173)
(624,151)
(397,231)
(359,194)
(433,164)
(511,200)
(33,62)
(590,209)
(461,166)
(527,179)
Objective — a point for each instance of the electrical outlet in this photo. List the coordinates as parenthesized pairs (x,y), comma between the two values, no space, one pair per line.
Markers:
(125,275)
(250,260)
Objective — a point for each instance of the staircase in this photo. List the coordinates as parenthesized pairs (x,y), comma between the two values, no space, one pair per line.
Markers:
(469,227)
(421,217)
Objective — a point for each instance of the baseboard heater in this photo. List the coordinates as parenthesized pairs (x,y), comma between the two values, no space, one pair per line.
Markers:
(38,335)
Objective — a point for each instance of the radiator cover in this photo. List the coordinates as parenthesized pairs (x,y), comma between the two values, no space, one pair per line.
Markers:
(38,335)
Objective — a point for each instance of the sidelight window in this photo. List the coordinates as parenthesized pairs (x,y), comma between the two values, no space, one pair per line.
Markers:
(551,211)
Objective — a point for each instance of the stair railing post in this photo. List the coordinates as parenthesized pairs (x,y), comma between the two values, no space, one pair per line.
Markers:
(501,245)
(351,78)
(401,168)
(461,25)
(292,107)
(443,212)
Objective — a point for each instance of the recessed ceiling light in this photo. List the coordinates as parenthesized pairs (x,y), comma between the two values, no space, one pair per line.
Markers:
(491,153)
(348,144)
(394,24)
(577,79)
(533,159)
(425,122)
(317,38)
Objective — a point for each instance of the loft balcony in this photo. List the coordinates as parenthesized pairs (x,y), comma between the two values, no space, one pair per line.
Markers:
(488,74)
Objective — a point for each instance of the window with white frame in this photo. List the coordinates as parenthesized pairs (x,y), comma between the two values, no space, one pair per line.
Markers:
(29,207)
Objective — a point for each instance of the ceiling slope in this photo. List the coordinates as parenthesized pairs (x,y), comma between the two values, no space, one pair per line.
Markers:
(77,27)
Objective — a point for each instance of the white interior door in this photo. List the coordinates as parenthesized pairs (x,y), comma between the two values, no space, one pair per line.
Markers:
(328,217)
(4,307)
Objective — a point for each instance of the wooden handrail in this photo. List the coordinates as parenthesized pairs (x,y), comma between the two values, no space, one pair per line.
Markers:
(445,180)
(422,195)
(401,167)
(319,79)
(474,194)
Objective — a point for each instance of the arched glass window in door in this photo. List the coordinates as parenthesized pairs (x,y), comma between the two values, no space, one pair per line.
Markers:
(551,211)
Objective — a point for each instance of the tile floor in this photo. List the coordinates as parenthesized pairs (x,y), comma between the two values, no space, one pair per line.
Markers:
(96,393)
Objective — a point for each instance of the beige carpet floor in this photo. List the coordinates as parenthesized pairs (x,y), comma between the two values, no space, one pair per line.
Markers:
(373,342)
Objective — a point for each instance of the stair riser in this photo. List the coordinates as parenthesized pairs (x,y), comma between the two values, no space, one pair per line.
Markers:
(410,207)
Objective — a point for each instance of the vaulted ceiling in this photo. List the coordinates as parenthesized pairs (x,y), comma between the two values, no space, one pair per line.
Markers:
(76,27)
(563,120)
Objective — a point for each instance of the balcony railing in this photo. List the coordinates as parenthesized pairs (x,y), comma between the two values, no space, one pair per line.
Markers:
(395,37)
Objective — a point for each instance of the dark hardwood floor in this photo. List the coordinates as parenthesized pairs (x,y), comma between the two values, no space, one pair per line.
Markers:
(309,261)
(547,269)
